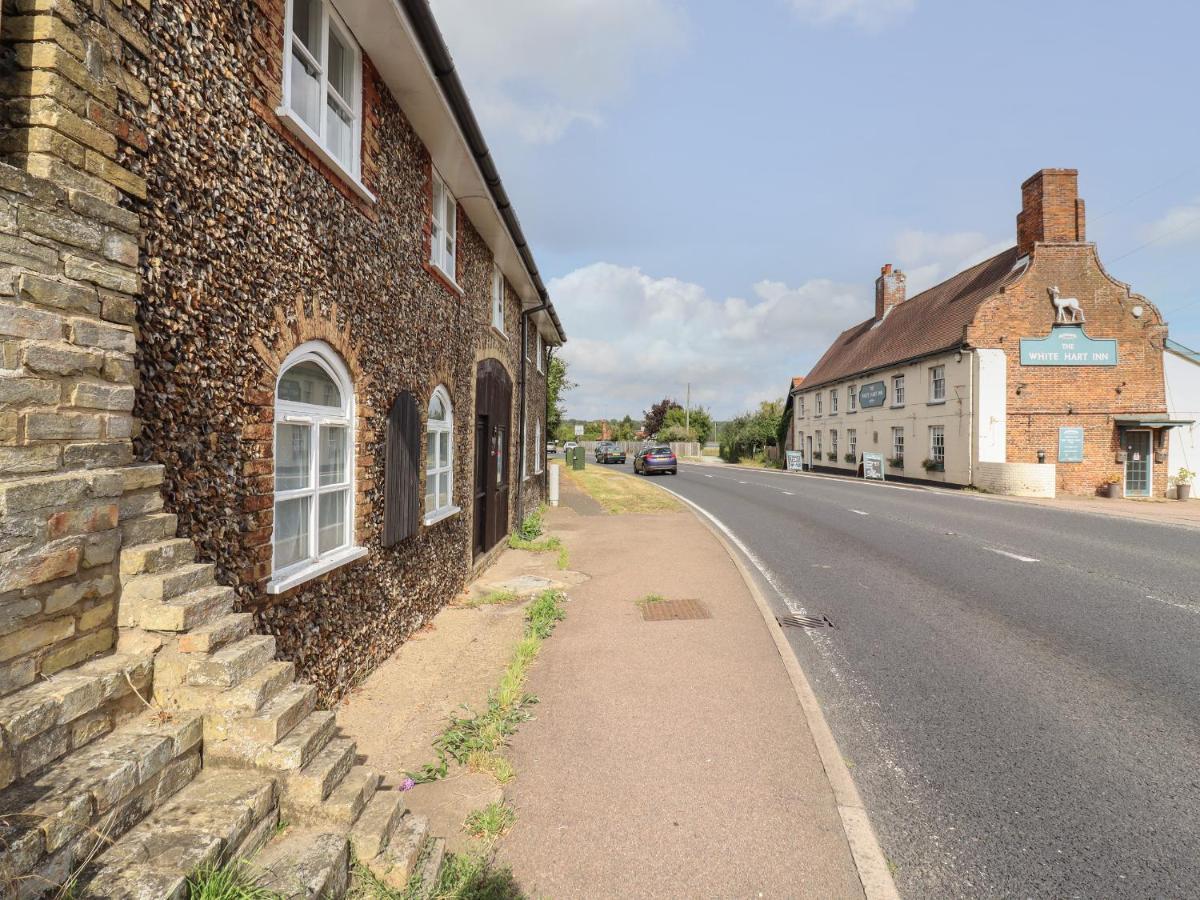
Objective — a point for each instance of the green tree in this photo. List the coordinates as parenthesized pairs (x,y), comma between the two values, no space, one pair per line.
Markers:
(677,421)
(557,384)
(625,430)
(656,414)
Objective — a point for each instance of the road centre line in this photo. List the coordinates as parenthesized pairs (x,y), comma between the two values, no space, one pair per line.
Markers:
(1016,556)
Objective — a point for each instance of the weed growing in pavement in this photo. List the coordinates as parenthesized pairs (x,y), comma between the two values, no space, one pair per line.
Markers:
(652,598)
(491,598)
(232,881)
(532,527)
(471,876)
(491,822)
(507,706)
(544,545)
(494,764)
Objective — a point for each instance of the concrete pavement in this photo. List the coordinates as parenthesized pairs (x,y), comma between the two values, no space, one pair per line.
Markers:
(669,758)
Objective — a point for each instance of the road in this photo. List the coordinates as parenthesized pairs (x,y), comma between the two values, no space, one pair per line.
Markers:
(1016,689)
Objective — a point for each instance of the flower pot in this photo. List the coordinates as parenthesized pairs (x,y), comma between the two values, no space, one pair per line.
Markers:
(1112,491)
(1183,491)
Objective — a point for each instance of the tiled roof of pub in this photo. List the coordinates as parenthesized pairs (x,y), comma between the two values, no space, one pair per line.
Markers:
(797,381)
(933,320)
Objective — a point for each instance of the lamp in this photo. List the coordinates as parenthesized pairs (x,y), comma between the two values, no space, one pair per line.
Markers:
(1041,456)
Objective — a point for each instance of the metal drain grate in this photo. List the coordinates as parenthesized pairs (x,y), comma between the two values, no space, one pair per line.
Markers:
(804,621)
(668,610)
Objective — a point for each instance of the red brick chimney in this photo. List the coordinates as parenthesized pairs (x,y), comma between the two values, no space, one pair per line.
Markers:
(1051,211)
(889,290)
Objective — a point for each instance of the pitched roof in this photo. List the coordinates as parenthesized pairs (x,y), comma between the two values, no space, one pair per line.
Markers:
(932,321)
(797,381)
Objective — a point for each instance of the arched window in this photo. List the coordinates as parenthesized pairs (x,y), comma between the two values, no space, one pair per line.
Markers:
(314,467)
(439,458)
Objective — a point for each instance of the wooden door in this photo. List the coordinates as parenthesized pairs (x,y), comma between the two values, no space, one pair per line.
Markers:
(493,405)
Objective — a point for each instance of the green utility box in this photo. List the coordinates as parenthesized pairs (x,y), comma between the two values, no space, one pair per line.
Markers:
(577,458)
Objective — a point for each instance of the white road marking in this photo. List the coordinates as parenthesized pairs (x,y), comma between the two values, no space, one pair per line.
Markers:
(789,493)
(743,482)
(1015,556)
(706,475)
(859,512)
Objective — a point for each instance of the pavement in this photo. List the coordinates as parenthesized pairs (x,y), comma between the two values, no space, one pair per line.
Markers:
(668,758)
(1014,685)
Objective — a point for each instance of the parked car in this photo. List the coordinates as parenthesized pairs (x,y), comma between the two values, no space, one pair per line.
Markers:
(610,452)
(655,459)
(551,447)
(569,445)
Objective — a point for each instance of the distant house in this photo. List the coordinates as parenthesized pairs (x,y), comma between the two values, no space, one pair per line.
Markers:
(1181,368)
(791,439)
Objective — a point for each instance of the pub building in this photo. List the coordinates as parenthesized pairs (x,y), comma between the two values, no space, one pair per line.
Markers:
(1034,372)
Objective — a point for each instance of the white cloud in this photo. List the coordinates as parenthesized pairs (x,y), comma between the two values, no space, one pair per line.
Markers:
(1179,225)
(644,338)
(930,257)
(537,68)
(868,14)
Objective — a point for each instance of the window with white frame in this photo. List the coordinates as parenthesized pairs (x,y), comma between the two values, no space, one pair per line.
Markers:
(833,443)
(852,398)
(537,448)
(322,83)
(833,401)
(937,443)
(898,442)
(802,413)
(445,227)
(852,442)
(897,390)
(817,452)
(439,457)
(540,349)
(937,383)
(818,403)
(314,467)
(497,298)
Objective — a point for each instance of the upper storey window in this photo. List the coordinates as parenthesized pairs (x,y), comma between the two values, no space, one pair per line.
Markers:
(322,84)
(445,227)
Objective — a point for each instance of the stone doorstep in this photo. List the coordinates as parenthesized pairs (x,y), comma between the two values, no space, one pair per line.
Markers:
(87,793)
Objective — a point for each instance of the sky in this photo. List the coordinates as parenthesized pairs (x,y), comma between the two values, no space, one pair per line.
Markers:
(710,187)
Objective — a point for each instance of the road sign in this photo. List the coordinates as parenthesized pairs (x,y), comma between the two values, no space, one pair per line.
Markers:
(873,466)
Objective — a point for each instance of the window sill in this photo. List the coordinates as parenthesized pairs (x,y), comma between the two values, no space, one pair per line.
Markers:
(296,126)
(896,406)
(936,403)
(434,517)
(448,280)
(290,580)
(499,331)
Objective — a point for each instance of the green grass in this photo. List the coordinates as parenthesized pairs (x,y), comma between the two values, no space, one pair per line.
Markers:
(491,598)
(232,881)
(495,764)
(651,598)
(545,545)
(472,876)
(532,527)
(619,493)
(507,706)
(491,822)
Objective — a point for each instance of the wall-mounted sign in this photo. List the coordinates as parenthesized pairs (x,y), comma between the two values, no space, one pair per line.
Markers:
(872,394)
(873,466)
(795,460)
(1070,444)
(1067,345)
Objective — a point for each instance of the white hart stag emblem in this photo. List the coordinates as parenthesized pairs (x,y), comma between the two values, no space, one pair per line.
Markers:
(1066,309)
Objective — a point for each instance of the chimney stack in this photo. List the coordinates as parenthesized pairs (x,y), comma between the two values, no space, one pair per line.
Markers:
(1051,211)
(889,290)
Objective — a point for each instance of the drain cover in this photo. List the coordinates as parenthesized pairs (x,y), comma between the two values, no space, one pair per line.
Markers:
(667,610)
(804,621)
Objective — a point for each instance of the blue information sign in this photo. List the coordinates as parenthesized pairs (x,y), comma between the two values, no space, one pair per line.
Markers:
(1067,345)
(872,394)
(1070,444)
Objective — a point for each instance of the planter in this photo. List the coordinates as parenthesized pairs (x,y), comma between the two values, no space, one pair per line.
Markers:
(1183,491)
(1112,491)
(896,463)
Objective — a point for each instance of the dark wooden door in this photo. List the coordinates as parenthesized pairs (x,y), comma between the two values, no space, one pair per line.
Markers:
(493,404)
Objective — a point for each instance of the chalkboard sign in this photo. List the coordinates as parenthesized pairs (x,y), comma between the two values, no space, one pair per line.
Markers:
(795,460)
(1070,444)
(873,466)
(872,394)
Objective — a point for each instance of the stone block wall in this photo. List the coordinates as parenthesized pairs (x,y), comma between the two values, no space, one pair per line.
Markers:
(1018,479)
(67,283)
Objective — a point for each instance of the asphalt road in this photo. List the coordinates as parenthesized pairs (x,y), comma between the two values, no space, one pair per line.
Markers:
(1016,689)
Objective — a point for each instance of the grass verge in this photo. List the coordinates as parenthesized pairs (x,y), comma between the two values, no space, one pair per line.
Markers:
(619,493)
(472,736)
(490,823)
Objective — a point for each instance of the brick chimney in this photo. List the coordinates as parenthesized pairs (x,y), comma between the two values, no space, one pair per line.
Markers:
(889,290)
(1051,211)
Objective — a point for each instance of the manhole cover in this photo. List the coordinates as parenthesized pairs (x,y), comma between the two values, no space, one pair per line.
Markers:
(665,610)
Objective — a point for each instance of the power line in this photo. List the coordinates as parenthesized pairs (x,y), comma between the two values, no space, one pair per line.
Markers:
(1146,193)
(1193,220)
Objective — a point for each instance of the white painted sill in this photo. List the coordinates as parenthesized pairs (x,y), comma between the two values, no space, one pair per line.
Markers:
(434,517)
(935,403)
(297,127)
(449,279)
(320,567)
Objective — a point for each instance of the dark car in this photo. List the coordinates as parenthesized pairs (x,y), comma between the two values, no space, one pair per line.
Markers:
(655,459)
(610,452)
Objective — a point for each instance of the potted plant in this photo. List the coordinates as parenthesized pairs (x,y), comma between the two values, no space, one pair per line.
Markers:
(850,458)
(896,462)
(1183,484)
(933,465)
(831,456)
(1111,487)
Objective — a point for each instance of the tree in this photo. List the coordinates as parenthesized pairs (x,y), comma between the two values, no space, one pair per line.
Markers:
(752,431)
(677,422)
(657,413)
(625,430)
(557,384)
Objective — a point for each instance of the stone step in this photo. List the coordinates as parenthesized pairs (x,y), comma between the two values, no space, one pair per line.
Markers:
(155,556)
(345,802)
(301,864)
(54,819)
(431,866)
(178,614)
(216,634)
(160,586)
(292,753)
(232,664)
(142,475)
(211,821)
(398,861)
(246,699)
(312,784)
(280,714)
(140,503)
(373,831)
(148,528)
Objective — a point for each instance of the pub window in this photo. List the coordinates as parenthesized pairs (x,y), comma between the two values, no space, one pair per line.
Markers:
(445,227)
(322,90)
(937,443)
(852,397)
(802,413)
(852,442)
(314,467)
(439,458)
(833,443)
(833,401)
(818,395)
(817,452)
(898,442)
(897,390)
(937,383)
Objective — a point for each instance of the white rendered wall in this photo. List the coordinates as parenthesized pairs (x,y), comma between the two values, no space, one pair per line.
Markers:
(1183,402)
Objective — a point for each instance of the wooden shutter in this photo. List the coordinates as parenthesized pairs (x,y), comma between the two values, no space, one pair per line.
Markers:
(402,477)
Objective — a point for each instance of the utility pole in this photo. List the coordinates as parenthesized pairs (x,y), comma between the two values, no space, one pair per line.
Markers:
(687,413)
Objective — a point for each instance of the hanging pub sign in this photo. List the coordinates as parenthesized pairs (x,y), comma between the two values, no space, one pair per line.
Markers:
(1067,345)
(872,394)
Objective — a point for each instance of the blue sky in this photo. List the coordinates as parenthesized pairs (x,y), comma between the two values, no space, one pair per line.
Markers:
(711,187)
